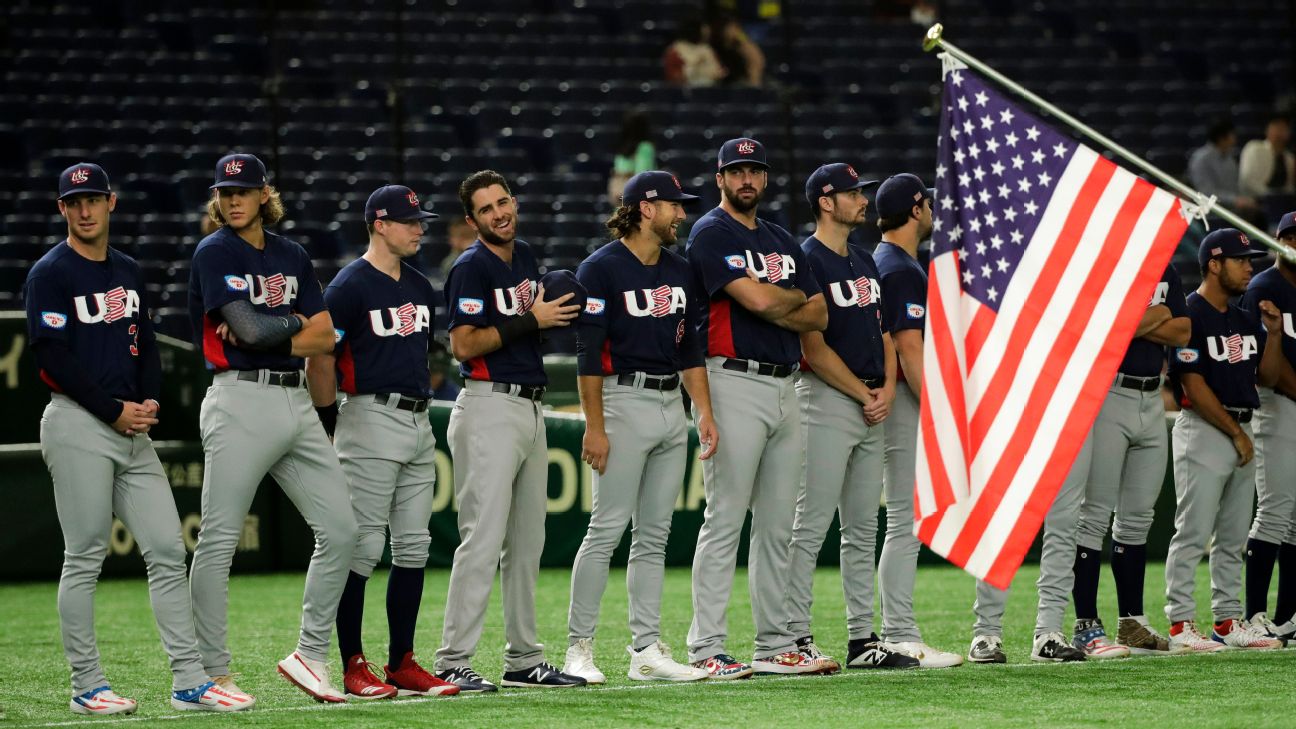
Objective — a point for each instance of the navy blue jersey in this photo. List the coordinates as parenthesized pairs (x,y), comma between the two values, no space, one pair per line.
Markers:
(905,281)
(854,296)
(1144,358)
(637,318)
(1270,285)
(482,291)
(278,280)
(720,250)
(94,308)
(382,327)
(1225,349)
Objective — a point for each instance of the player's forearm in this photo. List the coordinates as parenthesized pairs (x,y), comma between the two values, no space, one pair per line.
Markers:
(1271,361)
(321,379)
(909,352)
(698,386)
(317,337)
(1172,333)
(812,316)
(591,398)
(1153,317)
(1205,404)
(773,303)
(255,330)
(830,368)
(468,341)
(889,357)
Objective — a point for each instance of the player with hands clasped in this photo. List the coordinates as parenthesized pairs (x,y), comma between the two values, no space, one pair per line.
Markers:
(94,344)
(637,340)
(498,441)
(846,390)
(257,311)
(1215,378)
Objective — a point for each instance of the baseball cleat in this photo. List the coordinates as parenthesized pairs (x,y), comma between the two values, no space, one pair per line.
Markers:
(1135,634)
(1186,638)
(1053,648)
(927,656)
(1091,637)
(361,681)
(541,675)
(872,652)
(1287,633)
(410,679)
(226,681)
(102,702)
(793,662)
(724,667)
(655,663)
(580,662)
(987,649)
(1236,633)
(467,680)
(211,697)
(310,676)
(806,646)
(1261,623)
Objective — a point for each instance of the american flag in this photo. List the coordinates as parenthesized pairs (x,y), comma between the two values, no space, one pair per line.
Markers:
(1044,256)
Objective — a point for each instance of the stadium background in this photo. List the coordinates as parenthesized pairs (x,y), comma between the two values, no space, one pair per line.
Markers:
(341,97)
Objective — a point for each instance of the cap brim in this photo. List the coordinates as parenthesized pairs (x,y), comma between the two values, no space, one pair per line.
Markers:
(1284,231)
(931,193)
(860,185)
(237,183)
(757,163)
(681,197)
(83,191)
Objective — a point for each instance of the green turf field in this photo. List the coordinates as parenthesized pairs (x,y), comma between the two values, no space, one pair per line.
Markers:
(1233,689)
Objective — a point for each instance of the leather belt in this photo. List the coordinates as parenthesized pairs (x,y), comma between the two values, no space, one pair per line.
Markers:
(758,368)
(530,392)
(1143,384)
(873,383)
(1240,415)
(401,402)
(650,382)
(279,379)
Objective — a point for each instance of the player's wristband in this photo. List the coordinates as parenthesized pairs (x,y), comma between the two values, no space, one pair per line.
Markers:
(518,327)
(328,417)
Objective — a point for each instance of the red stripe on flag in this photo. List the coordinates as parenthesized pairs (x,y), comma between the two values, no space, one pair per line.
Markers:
(977,332)
(951,378)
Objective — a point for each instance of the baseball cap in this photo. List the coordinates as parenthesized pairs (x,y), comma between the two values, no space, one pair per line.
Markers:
(561,282)
(83,177)
(239,170)
(395,202)
(836,177)
(652,186)
(899,193)
(1286,225)
(1226,243)
(742,150)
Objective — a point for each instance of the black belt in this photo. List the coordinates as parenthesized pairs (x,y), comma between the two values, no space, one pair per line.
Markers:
(761,368)
(1143,384)
(651,382)
(401,402)
(280,379)
(1241,416)
(530,392)
(873,383)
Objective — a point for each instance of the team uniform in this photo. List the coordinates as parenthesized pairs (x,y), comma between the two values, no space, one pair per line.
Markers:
(1130,451)
(638,330)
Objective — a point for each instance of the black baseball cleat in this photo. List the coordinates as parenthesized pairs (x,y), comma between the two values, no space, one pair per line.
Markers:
(873,652)
(1052,647)
(541,675)
(468,680)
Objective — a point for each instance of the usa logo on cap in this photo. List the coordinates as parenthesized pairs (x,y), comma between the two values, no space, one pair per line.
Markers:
(852,172)
(413,198)
(233,167)
(746,147)
(80,176)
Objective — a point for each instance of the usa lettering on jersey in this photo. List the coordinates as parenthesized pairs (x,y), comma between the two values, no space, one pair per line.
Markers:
(109,306)
(275,290)
(861,292)
(661,301)
(1288,328)
(400,321)
(1160,295)
(515,300)
(772,267)
(1234,348)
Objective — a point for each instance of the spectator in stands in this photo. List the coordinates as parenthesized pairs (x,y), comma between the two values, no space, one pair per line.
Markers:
(635,153)
(1267,166)
(461,236)
(690,60)
(1213,170)
(744,59)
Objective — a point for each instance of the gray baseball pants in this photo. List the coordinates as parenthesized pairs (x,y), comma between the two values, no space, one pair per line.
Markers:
(1275,457)
(843,474)
(1061,529)
(648,436)
(250,428)
(759,470)
(1130,444)
(898,565)
(98,472)
(1212,498)
(388,456)
(501,460)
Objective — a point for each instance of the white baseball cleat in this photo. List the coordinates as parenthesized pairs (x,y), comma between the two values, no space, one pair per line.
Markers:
(102,701)
(310,676)
(211,697)
(1237,633)
(1186,638)
(655,663)
(927,656)
(580,662)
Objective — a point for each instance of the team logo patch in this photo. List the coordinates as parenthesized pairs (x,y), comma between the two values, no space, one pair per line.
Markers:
(852,172)
(736,263)
(80,176)
(915,311)
(471,306)
(53,319)
(595,306)
(236,283)
(413,199)
(746,147)
(338,334)
(233,167)
(1187,355)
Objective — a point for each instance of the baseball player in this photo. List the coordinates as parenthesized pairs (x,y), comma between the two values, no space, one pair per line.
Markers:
(257,310)
(760,297)
(1130,451)
(497,440)
(1215,378)
(904,208)
(382,317)
(846,390)
(1273,533)
(94,343)
(636,342)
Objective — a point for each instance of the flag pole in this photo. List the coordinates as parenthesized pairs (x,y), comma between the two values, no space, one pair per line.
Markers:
(934,40)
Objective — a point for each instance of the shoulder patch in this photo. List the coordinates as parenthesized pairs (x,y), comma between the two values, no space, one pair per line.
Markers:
(53,320)
(915,311)
(471,306)
(736,262)
(1187,355)
(595,306)
(338,334)
(236,283)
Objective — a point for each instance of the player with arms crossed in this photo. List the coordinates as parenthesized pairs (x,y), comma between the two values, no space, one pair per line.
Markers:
(94,344)
(257,311)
